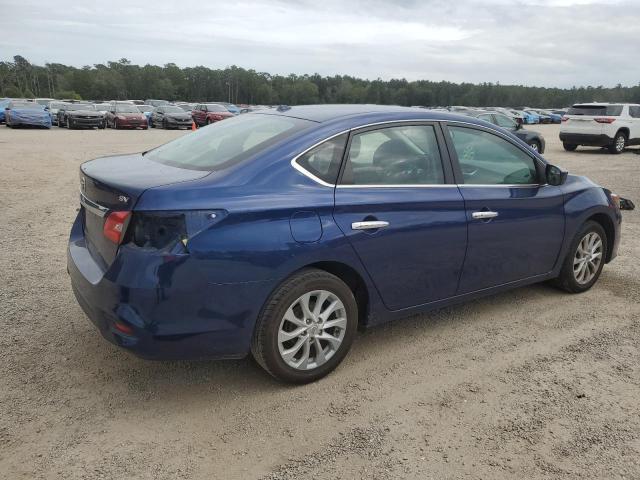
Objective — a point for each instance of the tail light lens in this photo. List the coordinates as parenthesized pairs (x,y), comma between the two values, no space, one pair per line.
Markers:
(115,225)
(605,120)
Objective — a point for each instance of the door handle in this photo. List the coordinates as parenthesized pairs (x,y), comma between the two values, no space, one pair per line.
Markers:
(484,215)
(370,225)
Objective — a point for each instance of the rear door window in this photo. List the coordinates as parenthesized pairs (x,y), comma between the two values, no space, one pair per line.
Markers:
(596,110)
(634,111)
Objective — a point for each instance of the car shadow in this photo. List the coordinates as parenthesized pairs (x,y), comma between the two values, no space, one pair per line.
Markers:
(202,379)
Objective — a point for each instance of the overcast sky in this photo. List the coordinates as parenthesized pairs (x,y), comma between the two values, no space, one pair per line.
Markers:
(531,42)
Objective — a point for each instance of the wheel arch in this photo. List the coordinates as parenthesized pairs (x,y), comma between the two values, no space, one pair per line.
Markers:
(607,224)
(624,130)
(353,280)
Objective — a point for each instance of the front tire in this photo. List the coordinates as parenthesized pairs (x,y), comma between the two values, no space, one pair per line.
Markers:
(619,143)
(584,262)
(570,147)
(535,146)
(306,327)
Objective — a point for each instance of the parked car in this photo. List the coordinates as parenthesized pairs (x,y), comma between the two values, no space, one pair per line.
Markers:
(146,110)
(531,138)
(3,104)
(539,117)
(553,117)
(527,118)
(280,233)
(601,125)
(80,115)
(170,116)
(206,113)
(231,107)
(22,113)
(53,108)
(124,115)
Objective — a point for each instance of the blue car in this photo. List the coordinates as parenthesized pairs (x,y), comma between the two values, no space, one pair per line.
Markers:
(281,232)
(20,113)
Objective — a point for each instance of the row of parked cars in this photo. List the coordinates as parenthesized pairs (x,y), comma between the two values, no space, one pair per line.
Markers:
(114,114)
(522,115)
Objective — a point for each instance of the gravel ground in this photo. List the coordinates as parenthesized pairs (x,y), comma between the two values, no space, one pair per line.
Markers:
(532,383)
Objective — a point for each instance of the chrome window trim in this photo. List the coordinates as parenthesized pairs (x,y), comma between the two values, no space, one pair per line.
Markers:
(310,175)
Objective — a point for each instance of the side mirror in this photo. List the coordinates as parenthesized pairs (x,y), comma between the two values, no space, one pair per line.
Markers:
(518,126)
(555,175)
(112,111)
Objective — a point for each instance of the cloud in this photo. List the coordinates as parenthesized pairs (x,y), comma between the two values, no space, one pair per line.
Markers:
(533,42)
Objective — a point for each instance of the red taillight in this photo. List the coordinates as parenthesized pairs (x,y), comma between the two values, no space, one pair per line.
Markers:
(115,225)
(565,119)
(605,120)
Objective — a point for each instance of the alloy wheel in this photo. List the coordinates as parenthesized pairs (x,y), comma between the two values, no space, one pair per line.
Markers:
(587,258)
(620,143)
(312,330)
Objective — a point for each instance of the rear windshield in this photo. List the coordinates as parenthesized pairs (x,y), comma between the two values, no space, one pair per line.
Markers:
(226,143)
(596,110)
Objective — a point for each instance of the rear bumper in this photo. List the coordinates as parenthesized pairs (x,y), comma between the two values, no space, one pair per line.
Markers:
(173,311)
(588,139)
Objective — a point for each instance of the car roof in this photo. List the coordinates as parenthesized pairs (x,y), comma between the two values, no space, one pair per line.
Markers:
(329,113)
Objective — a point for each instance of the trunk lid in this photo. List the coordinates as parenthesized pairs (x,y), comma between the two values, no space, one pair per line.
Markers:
(111,184)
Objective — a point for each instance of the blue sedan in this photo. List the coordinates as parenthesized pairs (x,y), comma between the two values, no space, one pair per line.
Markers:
(21,113)
(279,233)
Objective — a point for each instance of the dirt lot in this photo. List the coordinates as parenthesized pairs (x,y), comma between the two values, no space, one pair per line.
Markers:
(533,383)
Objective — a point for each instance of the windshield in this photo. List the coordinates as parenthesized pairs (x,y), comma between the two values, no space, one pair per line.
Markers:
(214,107)
(186,108)
(226,143)
(126,109)
(33,105)
(145,108)
(56,105)
(79,106)
(172,109)
(595,110)
(103,107)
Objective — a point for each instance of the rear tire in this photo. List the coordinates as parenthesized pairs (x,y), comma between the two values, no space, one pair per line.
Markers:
(321,332)
(570,147)
(584,261)
(619,143)
(115,123)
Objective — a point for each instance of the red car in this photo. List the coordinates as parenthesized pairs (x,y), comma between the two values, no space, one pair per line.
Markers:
(206,113)
(126,115)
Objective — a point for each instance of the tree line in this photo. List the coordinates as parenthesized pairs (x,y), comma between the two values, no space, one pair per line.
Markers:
(119,80)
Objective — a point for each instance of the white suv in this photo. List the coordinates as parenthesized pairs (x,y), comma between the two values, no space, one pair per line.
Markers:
(611,125)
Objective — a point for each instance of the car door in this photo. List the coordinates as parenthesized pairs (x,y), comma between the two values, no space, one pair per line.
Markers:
(516,220)
(400,209)
(157,116)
